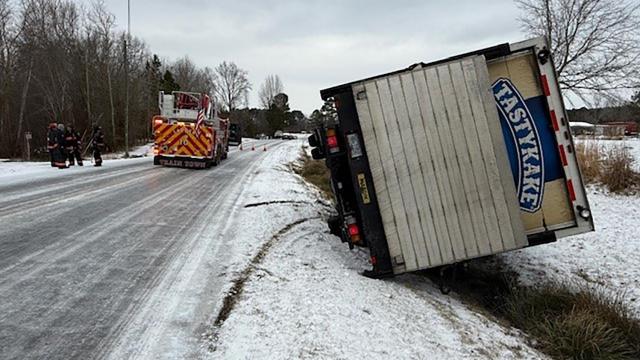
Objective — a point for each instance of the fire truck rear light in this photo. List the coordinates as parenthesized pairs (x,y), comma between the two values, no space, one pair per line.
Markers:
(158,121)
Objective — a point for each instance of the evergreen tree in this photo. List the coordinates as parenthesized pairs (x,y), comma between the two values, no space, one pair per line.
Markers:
(278,113)
(168,83)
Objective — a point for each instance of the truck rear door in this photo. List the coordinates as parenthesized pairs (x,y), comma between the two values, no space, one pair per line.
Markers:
(540,147)
(439,164)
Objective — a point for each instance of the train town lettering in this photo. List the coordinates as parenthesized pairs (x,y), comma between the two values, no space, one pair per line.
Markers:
(517,116)
(183,163)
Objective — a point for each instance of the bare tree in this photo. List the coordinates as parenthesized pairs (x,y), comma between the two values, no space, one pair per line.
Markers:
(8,35)
(271,87)
(595,43)
(101,24)
(192,78)
(231,86)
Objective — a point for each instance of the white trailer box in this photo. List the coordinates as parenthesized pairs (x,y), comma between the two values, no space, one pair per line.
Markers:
(453,160)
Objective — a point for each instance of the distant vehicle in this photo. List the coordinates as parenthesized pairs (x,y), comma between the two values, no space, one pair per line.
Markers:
(288,137)
(187,132)
(278,134)
(453,160)
(235,134)
(630,127)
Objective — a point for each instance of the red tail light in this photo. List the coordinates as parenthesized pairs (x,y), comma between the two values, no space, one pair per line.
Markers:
(332,141)
(354,230)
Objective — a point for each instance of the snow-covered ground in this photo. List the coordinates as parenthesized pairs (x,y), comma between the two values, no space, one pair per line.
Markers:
(19,171)
(12,172)
(608,257)
(136,151)
(306,299)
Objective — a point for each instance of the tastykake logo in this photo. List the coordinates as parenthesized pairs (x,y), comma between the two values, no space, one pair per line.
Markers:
(530,166)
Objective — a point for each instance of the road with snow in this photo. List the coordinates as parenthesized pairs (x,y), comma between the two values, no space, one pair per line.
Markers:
(126,260)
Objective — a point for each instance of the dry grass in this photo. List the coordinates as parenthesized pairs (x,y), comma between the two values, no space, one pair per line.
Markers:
(565,321)
(567,324)
(315,172)
(611,167)
(590,157)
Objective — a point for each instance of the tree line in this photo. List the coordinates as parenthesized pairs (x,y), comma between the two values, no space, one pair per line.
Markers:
(64,61)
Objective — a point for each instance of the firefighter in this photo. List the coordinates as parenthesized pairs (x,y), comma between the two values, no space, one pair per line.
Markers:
(60,139)
(73,145)
(55,145)
(97,143)
(69,144)
(51,142)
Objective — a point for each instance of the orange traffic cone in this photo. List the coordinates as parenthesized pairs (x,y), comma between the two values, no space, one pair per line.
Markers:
(253,148)
(265,148)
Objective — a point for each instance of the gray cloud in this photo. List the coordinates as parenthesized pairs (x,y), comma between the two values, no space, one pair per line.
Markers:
(317,44)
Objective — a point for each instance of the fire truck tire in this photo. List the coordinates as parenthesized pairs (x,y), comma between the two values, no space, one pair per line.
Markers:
(156,160)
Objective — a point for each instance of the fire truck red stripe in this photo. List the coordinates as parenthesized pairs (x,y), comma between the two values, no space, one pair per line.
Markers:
(563,155)
(554,120)
(545,85)
(572,192)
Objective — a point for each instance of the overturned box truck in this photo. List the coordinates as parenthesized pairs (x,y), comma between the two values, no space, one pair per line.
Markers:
(453,160)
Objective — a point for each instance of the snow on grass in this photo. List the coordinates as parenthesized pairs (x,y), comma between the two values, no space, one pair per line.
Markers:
(608,257)
(632,144)
(136,151)
(306,299)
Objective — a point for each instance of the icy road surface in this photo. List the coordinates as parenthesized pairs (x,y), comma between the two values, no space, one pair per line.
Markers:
(127,260)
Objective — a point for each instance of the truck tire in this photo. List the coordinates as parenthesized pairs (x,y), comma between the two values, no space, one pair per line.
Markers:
(335,225)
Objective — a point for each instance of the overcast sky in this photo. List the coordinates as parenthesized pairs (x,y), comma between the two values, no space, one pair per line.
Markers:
(312,44)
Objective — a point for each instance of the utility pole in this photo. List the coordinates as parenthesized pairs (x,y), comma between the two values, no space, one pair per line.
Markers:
(126,74)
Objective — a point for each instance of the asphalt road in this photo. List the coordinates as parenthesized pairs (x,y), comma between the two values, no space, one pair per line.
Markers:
(87,260)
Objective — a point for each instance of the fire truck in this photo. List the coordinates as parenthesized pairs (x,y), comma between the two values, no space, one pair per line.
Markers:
(188,133)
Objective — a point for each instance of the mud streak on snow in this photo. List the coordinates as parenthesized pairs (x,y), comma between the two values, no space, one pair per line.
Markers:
(232,297)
